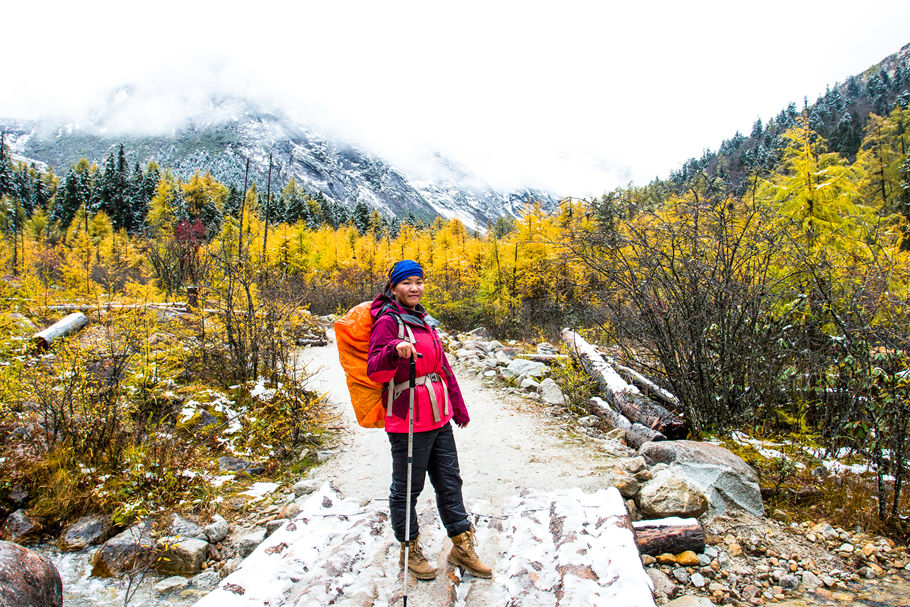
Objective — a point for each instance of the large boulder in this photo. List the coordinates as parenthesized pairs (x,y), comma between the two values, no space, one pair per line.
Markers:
(87,531)
(130,549)
(721,475)
(27,579)
(181,556)
(20,527)
(668,494)
(217,530)
(550,392)
(521,367)
(180,527)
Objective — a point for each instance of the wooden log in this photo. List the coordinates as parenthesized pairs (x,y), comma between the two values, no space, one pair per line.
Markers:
(649,387)
(625,397)
(672,535)
(68,324)
(636,434)
(543,357)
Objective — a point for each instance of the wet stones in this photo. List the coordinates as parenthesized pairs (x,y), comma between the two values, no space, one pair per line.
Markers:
(87,531)
(181,556)
(27,579)
(127,550)
(20,527)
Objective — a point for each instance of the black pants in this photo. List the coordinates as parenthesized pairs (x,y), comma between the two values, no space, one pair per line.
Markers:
(434,453)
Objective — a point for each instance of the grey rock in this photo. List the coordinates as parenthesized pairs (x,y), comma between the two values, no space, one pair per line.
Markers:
(828,581)
(230,566)
(633,465)
(180,527)
(698,580)
(481,333)
(274,525)
(502,358)
(529,384)
(494,345)
(250,541)
(616,434)
(206,580)
(171,584)
(27,579)
(324,456)
(680,575)
(704,560)
(521,366)
(129,549)
(668,494)
(789,582)
(87,531)
(546,348)
(723,477)
(217,530)
(20,527)
(551,393)
(304,487)
(182,556)
(664,587)
(589,421)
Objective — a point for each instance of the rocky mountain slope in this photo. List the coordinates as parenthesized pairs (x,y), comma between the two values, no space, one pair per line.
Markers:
(220,136)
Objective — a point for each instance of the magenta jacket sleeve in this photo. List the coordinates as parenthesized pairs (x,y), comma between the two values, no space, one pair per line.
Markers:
(382,360)
(459,409)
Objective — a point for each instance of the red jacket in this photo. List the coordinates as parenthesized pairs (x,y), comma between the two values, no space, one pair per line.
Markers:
(383,364)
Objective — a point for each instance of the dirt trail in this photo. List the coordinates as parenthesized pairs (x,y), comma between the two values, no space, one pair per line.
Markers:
(511,447)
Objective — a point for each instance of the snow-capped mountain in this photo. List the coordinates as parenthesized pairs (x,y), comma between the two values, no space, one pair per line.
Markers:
(221,134)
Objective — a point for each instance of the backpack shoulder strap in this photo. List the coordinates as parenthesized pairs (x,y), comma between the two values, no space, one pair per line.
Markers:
(403,328)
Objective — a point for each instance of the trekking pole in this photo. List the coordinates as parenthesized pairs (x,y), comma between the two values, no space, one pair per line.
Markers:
(412,385)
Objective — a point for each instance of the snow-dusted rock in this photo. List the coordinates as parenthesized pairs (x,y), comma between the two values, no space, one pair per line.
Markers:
(481,333)
(27,579)
(668,494)
(182,556)
(171,584)
(546,348)
(87,531)
(664,587)
(129,548)
(20,527)
(250,541)
(180,527)
(529,384)
(206,580)
(217,530)
(721,475)
(550,392)
(304,487)
(502,358)
(523,367)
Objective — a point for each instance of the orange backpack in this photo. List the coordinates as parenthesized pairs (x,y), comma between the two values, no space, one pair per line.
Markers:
(352,333)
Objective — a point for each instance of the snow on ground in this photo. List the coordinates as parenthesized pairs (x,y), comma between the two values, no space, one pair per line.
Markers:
(556,548)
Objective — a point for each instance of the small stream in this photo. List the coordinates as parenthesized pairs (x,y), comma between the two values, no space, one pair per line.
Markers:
(82,590)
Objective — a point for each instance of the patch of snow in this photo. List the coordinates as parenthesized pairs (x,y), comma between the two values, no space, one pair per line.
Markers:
(259,490)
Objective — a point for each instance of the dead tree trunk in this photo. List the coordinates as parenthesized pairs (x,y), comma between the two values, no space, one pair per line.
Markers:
(68,324)
(625,397)
(672,535)
(636,434)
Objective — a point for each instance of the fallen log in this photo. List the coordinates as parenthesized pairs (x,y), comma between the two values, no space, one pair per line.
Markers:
(636,434)
(649,387)
(627,398)
(68,324)
(672,535)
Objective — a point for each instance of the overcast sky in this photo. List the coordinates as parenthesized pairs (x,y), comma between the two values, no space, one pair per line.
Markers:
(573,97)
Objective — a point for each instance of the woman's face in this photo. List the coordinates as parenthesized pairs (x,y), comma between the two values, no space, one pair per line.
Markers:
(409,291)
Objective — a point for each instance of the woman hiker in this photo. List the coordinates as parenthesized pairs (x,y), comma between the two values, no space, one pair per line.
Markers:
(399,332)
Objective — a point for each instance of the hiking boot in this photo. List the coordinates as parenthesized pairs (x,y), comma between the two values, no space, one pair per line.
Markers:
(417,562)
(464,555)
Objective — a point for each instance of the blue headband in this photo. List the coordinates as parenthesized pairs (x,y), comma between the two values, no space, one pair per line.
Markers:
(402,270)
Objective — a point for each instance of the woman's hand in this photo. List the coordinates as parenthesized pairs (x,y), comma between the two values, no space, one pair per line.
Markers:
(405,349)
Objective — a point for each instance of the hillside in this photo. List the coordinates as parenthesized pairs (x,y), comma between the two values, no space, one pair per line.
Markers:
(220,138)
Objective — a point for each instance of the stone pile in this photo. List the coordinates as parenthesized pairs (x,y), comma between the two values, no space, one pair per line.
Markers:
(765,561)
(526,372)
